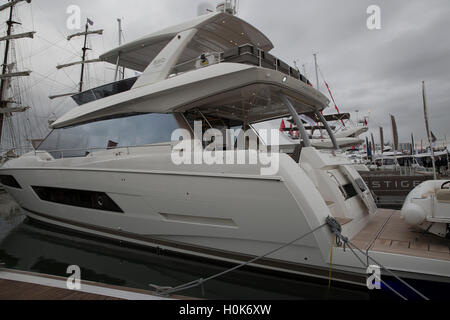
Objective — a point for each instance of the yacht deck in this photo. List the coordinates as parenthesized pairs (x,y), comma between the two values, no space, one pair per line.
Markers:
(388,233)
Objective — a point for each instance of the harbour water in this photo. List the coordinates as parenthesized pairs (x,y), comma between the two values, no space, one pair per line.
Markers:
(28,246)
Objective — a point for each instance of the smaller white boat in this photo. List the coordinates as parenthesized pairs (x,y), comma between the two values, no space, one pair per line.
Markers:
(428,207)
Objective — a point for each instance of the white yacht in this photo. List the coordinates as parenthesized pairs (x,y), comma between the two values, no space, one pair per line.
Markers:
(106,169)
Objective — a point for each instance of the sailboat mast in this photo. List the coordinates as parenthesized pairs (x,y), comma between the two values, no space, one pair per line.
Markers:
(84,57)
(317,71)
(427,126)
(5,69)
(83,62)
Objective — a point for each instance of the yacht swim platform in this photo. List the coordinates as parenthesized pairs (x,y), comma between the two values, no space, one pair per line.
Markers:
(388,233)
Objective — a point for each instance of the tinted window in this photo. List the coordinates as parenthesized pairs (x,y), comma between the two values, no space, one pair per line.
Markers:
(104,91)
(131,131)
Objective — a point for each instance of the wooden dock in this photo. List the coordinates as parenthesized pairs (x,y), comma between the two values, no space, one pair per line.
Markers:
(19,285)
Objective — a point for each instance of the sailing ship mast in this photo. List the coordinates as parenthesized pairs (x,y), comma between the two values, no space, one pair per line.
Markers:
(7,67)
(83,61)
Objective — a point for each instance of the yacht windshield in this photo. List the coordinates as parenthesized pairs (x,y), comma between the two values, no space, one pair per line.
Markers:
(137,130)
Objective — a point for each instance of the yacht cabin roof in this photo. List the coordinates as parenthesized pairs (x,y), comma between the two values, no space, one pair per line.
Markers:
(217,32)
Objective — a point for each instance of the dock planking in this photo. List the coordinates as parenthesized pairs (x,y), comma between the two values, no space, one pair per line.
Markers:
(15,290)
(22,285)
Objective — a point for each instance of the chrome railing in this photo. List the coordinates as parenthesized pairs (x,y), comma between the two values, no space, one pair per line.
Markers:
(210,58)
(89,151)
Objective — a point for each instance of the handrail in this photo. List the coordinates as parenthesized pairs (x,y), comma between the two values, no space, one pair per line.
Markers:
(93,149)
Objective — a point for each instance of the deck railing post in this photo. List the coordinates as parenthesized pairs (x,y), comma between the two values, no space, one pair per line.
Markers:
(328,128)
(297,120)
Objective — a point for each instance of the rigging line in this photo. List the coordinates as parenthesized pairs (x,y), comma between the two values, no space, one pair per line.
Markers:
(52,80)
(58,106)
(40,81)
(390,272)
(40,50)
(54,44)
(383,282)
(336,228)
(50,19)
(202,281)
(69,76)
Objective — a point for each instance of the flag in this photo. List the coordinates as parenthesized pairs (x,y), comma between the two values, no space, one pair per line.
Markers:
(283,125)
(382,140)
(90,21)
(394,132)
(374,146)
(413,145)
(369,150)
(112,145)
(433,137)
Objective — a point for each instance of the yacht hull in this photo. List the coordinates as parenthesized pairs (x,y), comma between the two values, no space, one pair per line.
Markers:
(227,213)
(214,209)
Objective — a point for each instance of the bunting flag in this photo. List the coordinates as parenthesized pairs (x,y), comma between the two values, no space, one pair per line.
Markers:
(283,125)
(90,21)
(332,98)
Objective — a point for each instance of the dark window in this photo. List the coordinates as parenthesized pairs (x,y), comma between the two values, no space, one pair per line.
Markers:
(350,191)
(131,131)
(104,91)
(78,198)
(9,181)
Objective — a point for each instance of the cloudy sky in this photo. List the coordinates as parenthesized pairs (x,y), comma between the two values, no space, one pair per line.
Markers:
(376,72)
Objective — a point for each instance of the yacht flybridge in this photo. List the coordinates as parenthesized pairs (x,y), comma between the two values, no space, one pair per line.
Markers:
(107,168)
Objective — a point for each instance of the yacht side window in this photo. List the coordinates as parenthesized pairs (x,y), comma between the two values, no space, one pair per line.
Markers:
(131,131)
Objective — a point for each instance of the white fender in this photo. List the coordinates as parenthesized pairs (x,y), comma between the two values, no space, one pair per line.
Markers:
(414,214)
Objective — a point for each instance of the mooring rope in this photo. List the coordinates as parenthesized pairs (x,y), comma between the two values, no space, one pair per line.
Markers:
(335,228)
(200,282)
